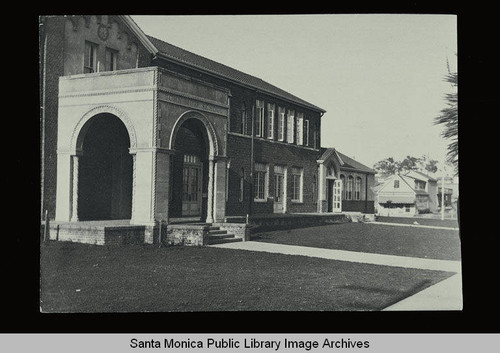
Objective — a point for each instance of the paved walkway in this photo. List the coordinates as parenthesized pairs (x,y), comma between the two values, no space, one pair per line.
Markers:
(414,225)
(445,295)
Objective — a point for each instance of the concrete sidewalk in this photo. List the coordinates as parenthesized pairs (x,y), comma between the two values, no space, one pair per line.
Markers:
(445,295)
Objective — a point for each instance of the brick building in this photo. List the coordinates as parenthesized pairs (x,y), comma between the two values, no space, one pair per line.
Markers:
(135,128)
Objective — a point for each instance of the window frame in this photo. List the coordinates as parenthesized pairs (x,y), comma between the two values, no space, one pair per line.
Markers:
(259,118)
(306,128)
(112,64)
(261,178)
(281,123)
(290,133)
(357,188)
(297,172)
(270,121)
(89,56)
(299,130)
(349,188)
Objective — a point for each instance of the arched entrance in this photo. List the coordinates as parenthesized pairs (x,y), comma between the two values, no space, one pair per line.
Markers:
(190,170)
(105,170)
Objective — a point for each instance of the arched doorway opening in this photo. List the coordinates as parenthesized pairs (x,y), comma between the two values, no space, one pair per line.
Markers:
(105,170)
(190,171)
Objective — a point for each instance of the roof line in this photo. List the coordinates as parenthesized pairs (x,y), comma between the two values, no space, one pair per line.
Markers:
(139,33)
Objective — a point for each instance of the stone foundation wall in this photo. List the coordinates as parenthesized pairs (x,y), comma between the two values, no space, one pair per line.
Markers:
(77,234)
(185,234)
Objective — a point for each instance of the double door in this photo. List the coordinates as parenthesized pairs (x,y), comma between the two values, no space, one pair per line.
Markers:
(334,193)
(191,192)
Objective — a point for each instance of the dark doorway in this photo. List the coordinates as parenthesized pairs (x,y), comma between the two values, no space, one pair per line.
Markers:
(190,171)
(105,171)
(329,193)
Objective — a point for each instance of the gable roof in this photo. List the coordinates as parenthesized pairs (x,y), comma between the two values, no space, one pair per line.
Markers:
(345,161)
(415,174)
(351,163)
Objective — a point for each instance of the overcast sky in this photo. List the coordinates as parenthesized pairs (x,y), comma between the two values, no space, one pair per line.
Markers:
(379,77)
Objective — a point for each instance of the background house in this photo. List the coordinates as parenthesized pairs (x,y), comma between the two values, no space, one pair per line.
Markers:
(406,194)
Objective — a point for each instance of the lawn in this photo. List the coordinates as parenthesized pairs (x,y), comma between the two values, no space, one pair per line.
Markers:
(88,278)
(436,222)
(442,244)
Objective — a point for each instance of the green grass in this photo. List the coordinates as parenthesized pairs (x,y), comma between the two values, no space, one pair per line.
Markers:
(436,222)
(429,243)
(84,278)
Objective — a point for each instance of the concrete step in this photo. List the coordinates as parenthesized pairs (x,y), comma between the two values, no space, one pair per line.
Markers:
(226,238)
(217,232)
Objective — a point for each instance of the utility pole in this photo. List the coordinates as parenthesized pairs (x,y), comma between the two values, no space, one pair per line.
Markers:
(442,192)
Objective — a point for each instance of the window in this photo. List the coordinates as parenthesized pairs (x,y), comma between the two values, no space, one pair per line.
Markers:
(111,59)
(357,189)
(419,185)
(306,131)
(342,179)
(270,121)
(259,119)
(260,182)
(281,124)
(90,58)
(396,184)
(350,181)
(315,189)
(290,126)
(297,184)
(300,129)
(242,184)
(244,119)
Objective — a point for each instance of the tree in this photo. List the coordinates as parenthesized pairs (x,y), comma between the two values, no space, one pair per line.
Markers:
(449,119)
(409,163)
(389,166)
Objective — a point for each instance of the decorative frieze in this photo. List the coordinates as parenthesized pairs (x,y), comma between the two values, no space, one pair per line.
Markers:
(193,102)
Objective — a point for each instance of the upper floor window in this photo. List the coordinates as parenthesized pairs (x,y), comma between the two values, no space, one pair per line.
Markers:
(270,121)
(306,132)
(290,126)
(300,129)
(396,184)
(111,59)
(90,58)
(259,119)
(244,119)
(281,124)
(419,185)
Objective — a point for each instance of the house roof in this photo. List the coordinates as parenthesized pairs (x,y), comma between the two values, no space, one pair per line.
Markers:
(415,174)
(173,53)
(345,161)
(351,163)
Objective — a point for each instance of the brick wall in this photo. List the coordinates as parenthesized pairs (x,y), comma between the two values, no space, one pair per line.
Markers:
(271,153)
(61,53)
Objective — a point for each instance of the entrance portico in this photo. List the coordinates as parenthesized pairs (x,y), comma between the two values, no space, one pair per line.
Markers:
(120,136)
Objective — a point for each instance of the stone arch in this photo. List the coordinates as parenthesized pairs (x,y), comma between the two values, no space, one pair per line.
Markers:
(81,127)
(212,136)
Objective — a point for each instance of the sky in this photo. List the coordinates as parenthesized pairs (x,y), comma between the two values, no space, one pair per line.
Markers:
(379,77)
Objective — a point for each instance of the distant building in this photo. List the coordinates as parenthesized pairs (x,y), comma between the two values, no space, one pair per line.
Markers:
(407,194)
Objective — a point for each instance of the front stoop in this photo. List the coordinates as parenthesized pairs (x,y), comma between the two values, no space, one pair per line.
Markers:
(219,236)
